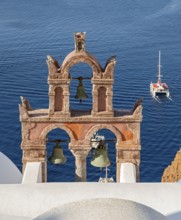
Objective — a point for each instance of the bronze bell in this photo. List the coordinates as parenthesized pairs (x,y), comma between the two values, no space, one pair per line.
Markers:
(81,94)
(100,157)
(57,156)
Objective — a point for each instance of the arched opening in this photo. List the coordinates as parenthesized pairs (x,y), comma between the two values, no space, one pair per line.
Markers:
(76,90)
(101,99)
(58,99)
(94,173)
(63,172)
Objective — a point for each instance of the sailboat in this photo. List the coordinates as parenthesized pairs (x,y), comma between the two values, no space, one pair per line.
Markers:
(159,88)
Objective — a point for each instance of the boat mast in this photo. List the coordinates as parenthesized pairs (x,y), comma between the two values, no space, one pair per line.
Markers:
(159,68)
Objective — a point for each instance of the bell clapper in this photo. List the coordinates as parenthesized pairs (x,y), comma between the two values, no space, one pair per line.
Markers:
(107,172)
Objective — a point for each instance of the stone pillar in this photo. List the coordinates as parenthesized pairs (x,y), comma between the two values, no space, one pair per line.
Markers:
(80,164)
(138,171)
(36,154)
(94,99)
(66,103)
(128,156)
(51,100)
(109,107)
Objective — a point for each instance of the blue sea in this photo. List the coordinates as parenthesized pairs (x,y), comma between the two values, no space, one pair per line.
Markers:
(133,30)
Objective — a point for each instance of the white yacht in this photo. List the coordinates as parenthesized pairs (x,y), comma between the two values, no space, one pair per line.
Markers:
(159,88)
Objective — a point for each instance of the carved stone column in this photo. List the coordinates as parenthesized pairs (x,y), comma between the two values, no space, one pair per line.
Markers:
(51,100)
(66,93)
(80,164)
(109,99)
(94,99)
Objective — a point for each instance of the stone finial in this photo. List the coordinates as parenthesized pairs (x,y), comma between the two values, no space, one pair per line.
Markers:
(111,60)
(23,112)
(137,109)
(79,38)
(173,172)
(53,67)
(109,68)
(25,103)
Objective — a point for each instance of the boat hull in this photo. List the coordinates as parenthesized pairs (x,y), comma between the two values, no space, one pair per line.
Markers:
(159,90)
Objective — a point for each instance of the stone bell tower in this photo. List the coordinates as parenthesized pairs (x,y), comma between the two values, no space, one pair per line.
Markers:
(37,123)
(59,81)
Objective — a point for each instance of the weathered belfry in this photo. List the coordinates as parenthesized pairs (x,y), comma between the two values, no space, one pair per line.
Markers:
(36,124)
(59,81)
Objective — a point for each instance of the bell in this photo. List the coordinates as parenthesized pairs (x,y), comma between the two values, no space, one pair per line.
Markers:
(81,94)
(100,157)
(57,156)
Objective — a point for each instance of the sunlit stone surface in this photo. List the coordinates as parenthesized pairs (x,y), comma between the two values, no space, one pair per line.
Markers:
(103,209)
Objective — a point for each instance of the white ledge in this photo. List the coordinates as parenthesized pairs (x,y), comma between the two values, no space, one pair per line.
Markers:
(32,173)
(127,173)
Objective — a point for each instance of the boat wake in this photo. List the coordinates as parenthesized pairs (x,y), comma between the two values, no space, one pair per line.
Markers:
(162,99)
(170,98)
(172,7)
(157,99)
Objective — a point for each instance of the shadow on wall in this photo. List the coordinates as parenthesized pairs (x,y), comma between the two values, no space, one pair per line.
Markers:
(175,216)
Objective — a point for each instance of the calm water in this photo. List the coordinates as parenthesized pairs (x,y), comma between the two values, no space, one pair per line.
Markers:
(133,30)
